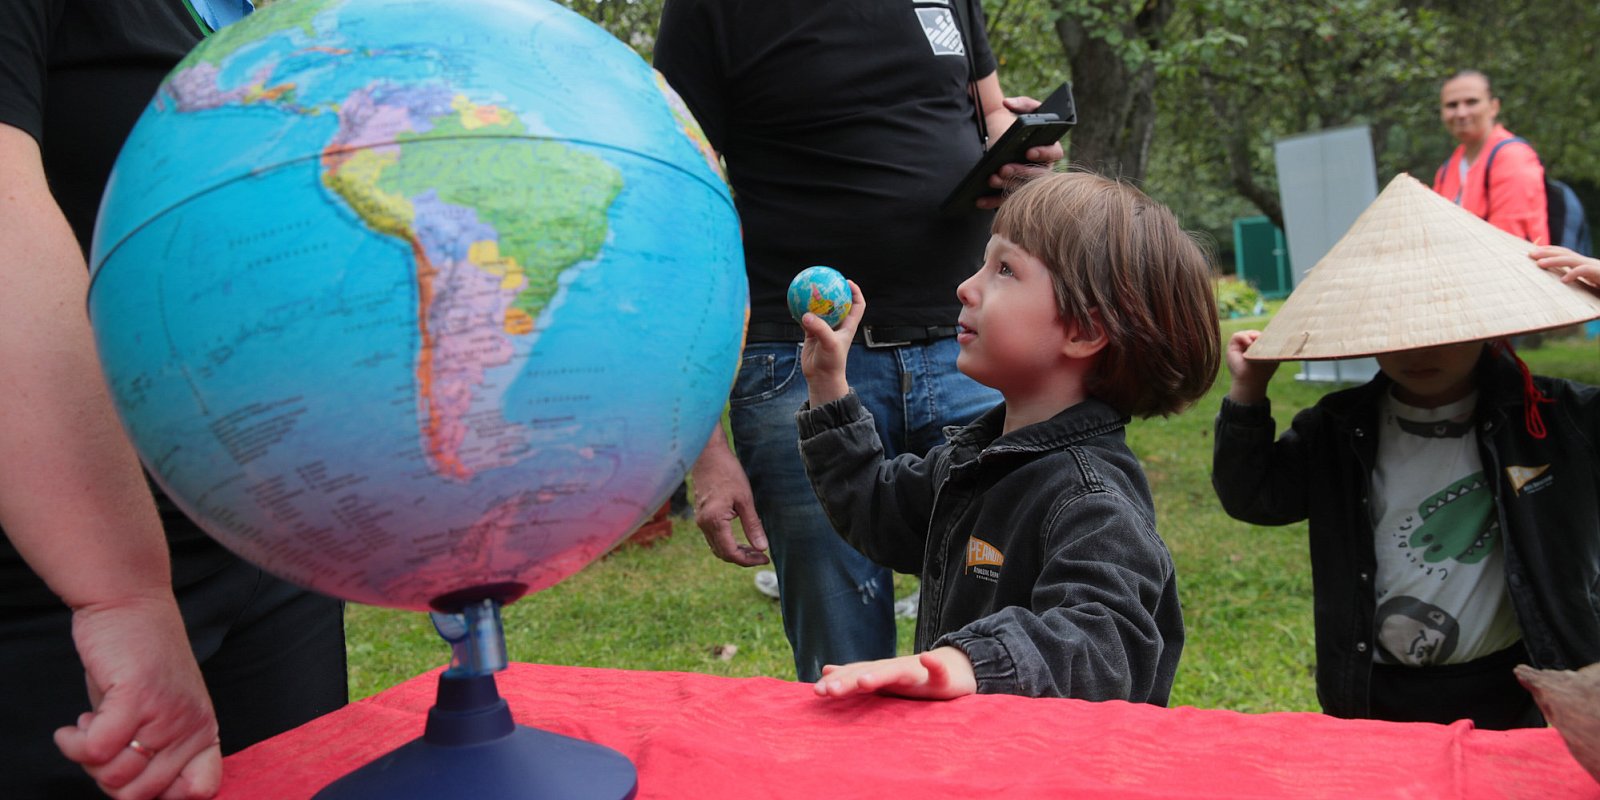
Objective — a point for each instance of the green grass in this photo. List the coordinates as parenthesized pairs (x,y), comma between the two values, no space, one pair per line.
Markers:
(1246,590)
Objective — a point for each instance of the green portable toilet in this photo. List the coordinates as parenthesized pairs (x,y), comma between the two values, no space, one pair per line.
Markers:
(1261,258)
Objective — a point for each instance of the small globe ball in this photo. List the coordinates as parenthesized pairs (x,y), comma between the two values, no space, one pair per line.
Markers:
(821,291)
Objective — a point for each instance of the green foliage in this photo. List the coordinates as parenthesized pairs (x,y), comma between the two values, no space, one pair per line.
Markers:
(1239,75)
(632,21)
(1236,298)
(1236,75)
(1022,36)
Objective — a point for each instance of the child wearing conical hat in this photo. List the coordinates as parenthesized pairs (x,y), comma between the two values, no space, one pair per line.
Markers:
(1453,501)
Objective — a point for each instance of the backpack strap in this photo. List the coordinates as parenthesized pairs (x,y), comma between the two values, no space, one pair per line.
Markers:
(1490,163)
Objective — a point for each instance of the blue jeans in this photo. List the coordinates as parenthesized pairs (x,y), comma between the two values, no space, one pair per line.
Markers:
(838,606)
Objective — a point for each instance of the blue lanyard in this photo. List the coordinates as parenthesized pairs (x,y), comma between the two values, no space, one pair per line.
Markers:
(213,15)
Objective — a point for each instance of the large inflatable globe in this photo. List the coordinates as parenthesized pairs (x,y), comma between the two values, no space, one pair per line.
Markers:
(417,303)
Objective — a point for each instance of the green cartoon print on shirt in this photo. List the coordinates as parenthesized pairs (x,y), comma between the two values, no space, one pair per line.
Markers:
(1458,523)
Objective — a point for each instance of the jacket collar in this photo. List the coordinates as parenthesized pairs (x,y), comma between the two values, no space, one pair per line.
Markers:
(1074,424)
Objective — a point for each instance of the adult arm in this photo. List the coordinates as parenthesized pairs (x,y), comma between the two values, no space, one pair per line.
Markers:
(687,52)
(75,505)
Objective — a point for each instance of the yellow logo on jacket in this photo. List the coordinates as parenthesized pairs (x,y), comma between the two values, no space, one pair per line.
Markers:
(984,560)
(1522,476)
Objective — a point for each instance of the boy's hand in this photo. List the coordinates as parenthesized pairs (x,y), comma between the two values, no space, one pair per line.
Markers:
(1250,378)
(1569,265)
(942,673)
(825,352)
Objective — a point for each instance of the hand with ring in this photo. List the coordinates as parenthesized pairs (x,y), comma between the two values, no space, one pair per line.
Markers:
(152,732)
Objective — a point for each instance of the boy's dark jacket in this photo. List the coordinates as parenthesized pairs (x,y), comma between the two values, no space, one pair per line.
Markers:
(1084,604)
(1547,493)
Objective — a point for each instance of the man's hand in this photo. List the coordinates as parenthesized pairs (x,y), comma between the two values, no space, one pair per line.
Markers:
(721,495)
(144,687)
(1046,155)
(1041,158)
(943,673)
(1250,378)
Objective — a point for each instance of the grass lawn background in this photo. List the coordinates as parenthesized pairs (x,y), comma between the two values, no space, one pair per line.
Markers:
(1246,591)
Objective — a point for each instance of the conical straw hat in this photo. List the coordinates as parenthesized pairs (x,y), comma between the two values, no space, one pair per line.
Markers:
(1415,270)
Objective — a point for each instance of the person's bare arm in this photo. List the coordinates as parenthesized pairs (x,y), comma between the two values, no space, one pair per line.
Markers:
(74,503)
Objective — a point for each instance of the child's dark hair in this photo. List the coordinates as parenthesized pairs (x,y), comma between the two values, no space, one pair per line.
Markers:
(1120,260)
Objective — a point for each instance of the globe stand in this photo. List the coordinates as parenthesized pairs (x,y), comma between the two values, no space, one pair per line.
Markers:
(471,748)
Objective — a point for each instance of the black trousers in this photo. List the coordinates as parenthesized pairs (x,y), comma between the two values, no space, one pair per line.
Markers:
(272,655)
(1484,690)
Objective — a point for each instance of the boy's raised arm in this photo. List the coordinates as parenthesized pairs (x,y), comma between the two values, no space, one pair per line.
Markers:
(1250,378)
(1258,480)
(823,356)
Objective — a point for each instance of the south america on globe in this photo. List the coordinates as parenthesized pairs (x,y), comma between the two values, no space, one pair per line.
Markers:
(822,291)
(389,294)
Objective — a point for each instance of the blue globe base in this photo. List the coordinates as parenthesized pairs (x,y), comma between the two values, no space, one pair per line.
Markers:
(471,748)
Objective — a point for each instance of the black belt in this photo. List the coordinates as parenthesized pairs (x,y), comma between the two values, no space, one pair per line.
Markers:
(869,335)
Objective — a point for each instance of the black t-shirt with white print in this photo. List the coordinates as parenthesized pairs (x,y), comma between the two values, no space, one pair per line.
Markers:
(844,123)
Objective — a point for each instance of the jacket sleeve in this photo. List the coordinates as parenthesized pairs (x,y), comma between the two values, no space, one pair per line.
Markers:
(880,507)
(1516,194)
(1258,480)
(1090,630)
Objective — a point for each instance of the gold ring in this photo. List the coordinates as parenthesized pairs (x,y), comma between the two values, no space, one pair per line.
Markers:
(141,749)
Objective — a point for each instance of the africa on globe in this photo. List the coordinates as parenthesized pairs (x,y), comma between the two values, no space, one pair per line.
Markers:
(821,291)
(386,294)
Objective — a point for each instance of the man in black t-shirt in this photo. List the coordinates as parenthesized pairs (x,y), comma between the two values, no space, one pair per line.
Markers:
(88,594)
(843,125)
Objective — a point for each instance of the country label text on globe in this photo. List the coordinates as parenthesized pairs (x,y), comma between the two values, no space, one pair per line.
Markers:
(387,292)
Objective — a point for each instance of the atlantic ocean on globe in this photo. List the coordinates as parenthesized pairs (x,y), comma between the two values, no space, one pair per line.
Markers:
(393,295)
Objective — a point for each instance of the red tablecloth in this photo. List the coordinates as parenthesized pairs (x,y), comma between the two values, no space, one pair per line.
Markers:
(698,736)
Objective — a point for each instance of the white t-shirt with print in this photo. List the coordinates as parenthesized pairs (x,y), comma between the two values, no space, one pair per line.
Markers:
(1441,588)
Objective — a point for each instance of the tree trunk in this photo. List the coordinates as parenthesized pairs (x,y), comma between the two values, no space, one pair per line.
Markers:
(1116,107)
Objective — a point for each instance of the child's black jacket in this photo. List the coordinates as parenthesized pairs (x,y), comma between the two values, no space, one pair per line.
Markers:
(1547,493)
(1037,549)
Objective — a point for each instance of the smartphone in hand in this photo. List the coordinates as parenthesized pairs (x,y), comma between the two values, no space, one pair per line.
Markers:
(1045,125)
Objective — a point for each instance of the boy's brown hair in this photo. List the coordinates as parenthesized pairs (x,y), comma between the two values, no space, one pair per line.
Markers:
(1120,261)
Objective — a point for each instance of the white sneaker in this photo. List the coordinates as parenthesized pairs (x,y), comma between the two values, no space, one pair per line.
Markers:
(907,608)
(767,583)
